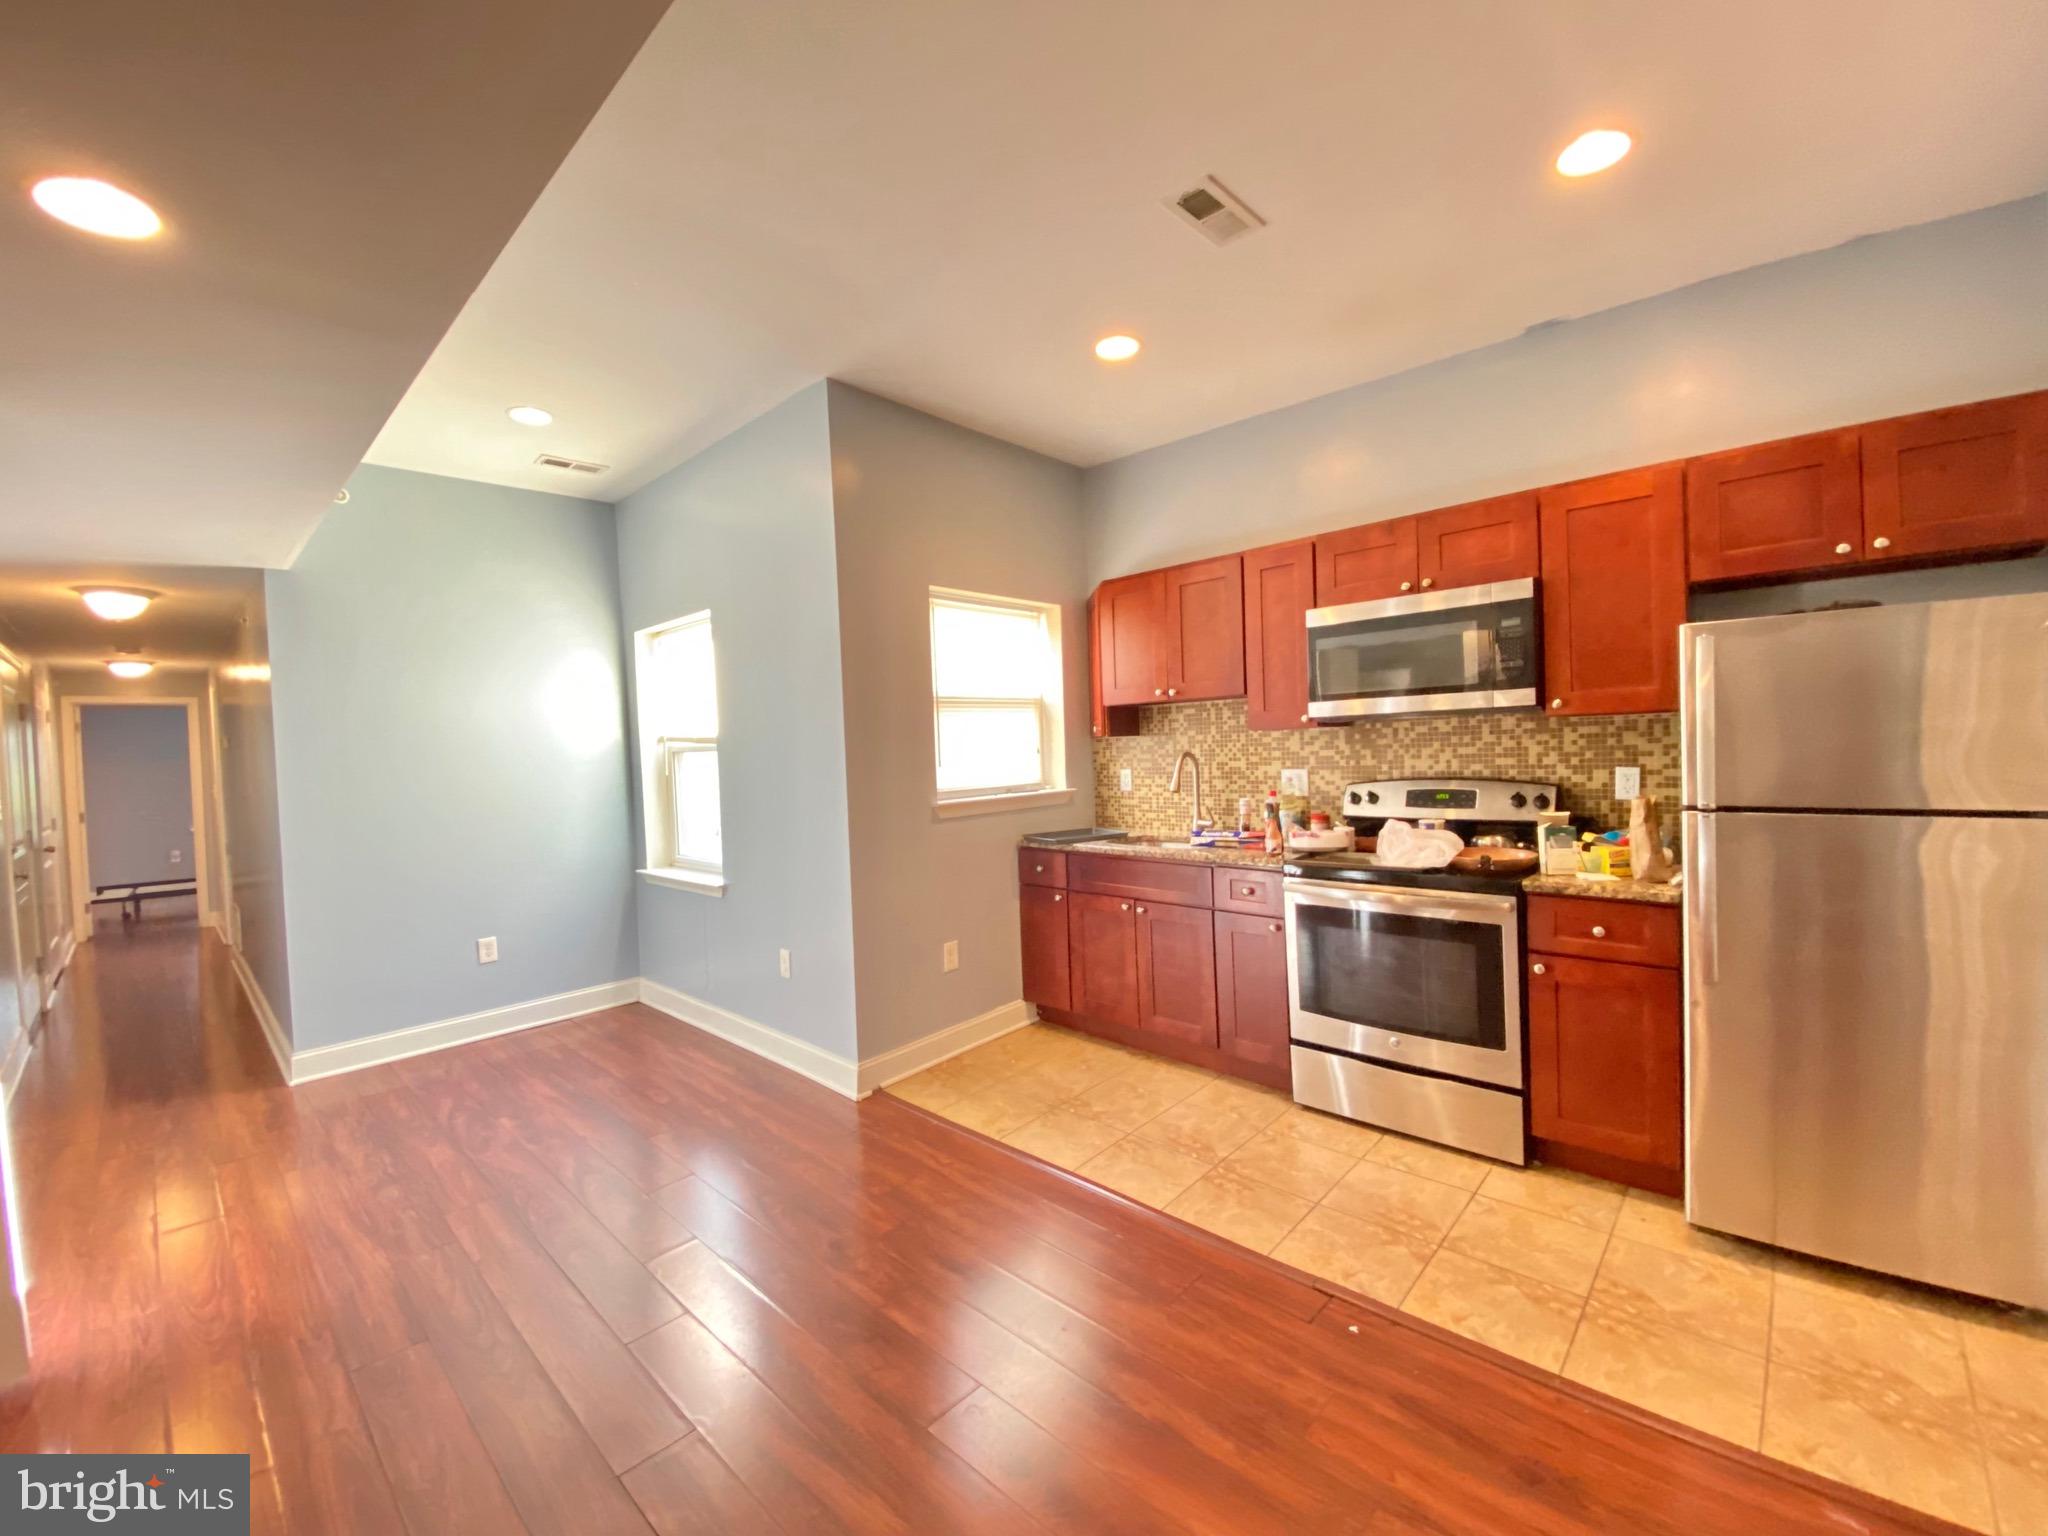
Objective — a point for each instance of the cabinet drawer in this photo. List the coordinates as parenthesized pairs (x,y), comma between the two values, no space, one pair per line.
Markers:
(1593,928)
(1256,891)
(1041,866)
(1109,874)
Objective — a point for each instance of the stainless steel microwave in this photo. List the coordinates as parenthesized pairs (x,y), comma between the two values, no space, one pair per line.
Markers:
(1460,648)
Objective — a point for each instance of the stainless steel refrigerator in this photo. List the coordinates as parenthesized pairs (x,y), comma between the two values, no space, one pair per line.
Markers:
(1866,885)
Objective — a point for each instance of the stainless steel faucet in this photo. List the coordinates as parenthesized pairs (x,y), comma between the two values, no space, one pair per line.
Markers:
(1196,823)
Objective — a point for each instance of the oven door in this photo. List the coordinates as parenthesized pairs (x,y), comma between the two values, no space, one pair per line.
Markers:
(1462,648)
(1425,979)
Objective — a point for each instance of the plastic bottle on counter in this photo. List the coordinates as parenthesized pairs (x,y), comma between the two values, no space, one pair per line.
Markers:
(1244,815)
(1272,821)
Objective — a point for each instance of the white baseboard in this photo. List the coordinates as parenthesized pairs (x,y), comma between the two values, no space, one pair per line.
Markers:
(890,1066)
(273,1032)
(800,1056)
(396,1045)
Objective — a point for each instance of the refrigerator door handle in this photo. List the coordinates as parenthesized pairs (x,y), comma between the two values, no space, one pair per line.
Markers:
(1697,723)
(1702,897)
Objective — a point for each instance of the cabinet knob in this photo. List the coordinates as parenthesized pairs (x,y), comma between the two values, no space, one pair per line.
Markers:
(1038,869)
(1537,968)
(1557,703)
(1844,549)
(1173,693)
(1304,720)
(1880,542)
(1406,585)
(1248,890)
(1279,927)
(1427,583)
(1125,905)
(1599,932)
(1059,895)
(1141,911)
(1158,693)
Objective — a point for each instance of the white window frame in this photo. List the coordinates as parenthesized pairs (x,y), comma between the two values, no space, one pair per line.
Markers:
(660,816)
(1052,755)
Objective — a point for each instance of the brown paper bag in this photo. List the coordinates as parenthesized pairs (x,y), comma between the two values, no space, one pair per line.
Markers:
(1648,858)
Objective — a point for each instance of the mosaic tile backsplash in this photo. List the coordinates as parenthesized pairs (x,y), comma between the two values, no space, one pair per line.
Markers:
(1579,754)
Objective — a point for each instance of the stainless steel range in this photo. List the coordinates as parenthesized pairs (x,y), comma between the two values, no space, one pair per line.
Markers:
(1405,986)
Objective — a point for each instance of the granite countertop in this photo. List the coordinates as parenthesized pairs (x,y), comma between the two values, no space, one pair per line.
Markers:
(1658,895)
(1172,853)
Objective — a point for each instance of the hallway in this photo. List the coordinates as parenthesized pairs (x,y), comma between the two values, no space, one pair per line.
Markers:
(615,1275)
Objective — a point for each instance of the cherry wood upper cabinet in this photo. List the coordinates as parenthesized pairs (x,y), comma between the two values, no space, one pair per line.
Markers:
(1613,591)
(1361,565)
(1130,624)
(1477,543)
(1102,937)
(1251,987)
(1279,590)
(1205,629)
(1043,924)
(1965,478)
(1176,972)
(1604,1054)
(1775,509)
(1103,720)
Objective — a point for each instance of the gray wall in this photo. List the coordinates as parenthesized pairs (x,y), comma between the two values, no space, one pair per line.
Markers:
(745,530)
(1921,317)
(450,754)
(248,781)
(138,793)
(921,503)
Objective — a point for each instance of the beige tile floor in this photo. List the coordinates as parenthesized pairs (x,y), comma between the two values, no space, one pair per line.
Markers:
(1933,1401)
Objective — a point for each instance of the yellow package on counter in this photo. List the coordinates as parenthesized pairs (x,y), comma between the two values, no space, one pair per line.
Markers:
(1605,859)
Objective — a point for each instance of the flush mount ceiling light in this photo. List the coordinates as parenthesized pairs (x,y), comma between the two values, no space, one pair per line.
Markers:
(96,207)
(1117,349)
(116,603)
(1593,151)
(131,669)
(530,415)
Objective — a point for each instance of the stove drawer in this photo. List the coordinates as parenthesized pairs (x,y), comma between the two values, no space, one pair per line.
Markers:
(1597,928)
(1252,891)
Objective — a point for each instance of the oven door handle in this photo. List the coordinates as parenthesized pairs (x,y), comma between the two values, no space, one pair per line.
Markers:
(1458,906)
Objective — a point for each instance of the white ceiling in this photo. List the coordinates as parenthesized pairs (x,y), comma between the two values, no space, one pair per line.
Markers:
(948,202)
(334,180)
(193,621)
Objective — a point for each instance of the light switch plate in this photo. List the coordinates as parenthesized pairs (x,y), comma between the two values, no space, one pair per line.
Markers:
(486,951)
(949,956)
(1628,783)
(1123,780)
(1294,781)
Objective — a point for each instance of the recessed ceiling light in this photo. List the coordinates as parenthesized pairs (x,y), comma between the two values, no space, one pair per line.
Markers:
(115,603)
(530,415)
(96,207)
(131,669)
(1593,151)
(1117,349)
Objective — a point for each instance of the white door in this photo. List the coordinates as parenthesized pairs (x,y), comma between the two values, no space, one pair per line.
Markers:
(23,848)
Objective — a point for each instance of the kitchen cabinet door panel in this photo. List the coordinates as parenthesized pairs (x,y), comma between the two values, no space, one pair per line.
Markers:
(1604,1053)
(1102,719)
(1279,590)
(1205,630)
(1775,509)
(1613,592)
(1477,543)
(1176,972)
(1965,478)
(1251,986)
(1047,968)
(1103,956)
(1130,619)
(1361,565)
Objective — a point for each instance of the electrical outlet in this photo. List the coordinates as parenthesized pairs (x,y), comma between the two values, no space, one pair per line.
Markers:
(1628,783)
(177,855)
(1123,780)
(486,951)
(783,963)
(949,957)
(1294,781)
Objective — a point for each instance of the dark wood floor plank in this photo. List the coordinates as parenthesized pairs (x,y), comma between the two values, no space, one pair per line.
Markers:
(325,1469)
(364,1307)
(444,1479)
(212,1400)
(627,1416)
(687,1491)
(622,1207)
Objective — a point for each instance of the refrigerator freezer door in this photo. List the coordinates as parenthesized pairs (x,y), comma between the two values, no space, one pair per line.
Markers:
(1867,1041)
(1922,706)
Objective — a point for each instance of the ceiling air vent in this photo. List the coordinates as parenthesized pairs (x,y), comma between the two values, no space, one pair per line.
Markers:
(1216,211)
(580,466)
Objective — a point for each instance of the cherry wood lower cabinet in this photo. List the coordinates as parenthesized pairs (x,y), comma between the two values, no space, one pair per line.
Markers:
(1176,972)
(1048,962)
(1251,987)
(1103,939)
(1605,1079)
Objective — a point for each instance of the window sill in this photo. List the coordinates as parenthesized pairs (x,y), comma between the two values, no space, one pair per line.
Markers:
(700,881)
(988,805)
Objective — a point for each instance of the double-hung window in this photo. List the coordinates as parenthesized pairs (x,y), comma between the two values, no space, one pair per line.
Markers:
(995,698)
(678,691)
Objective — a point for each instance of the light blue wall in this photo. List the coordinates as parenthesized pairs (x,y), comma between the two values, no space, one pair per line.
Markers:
(745,530)
(138,793)
(451,758)
(248,779)
(1945,312)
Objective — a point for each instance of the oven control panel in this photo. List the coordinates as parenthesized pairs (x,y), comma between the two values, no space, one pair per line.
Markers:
(1450,799)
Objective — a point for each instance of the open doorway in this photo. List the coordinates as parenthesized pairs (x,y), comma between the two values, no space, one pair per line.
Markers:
(136,781)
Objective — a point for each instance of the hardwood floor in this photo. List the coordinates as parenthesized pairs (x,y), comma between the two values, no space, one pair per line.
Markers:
(615,1275)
